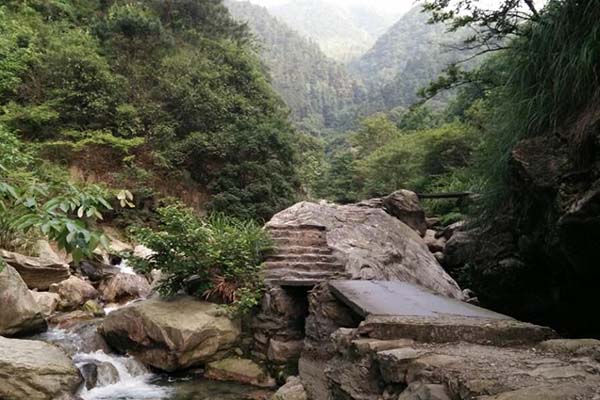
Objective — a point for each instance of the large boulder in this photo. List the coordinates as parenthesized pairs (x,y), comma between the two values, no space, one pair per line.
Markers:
(124,287)
(20,313)
(74,292)
(38,273)
(404,205)
(372,244)
(171,334)
(34,370)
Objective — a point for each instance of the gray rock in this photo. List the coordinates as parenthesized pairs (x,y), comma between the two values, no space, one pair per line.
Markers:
(38,273)
(97,271)
(404,205)
(73,292)
(124,287)
(35,370)
(47,301)
(171,334)
(20,313)
(372,244)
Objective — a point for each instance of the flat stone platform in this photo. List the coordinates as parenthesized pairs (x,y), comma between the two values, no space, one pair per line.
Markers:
(400,310)
(401,298)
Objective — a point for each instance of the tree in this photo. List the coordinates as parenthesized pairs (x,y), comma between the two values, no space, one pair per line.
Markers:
(490,26)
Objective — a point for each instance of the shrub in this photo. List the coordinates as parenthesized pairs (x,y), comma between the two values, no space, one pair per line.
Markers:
(217,258)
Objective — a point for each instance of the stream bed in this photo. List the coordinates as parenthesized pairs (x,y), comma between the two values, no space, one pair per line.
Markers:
(110,376)
(120,377)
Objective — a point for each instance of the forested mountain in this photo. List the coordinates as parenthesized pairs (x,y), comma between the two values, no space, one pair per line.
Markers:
(343,33)
(319,91)
(406,58)
(149,94)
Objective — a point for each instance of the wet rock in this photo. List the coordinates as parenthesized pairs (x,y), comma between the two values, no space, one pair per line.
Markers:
(124,287)
(371,243)
(38,273)
(47,301)
(89,372)
(20,313)
(107,374)
(97,271)
(292,390)
(239,370)
(67,320)
(171,334)
(90,340)
(73,292)
(34,370)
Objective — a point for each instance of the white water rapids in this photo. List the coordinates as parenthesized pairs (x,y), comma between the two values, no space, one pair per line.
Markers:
(132,380)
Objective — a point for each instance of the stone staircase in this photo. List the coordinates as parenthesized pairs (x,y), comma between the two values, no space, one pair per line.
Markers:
(301,257)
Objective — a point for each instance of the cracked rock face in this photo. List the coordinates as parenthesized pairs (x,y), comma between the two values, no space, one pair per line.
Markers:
(372,244)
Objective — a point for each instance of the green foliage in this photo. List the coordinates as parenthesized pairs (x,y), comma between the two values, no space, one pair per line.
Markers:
(62,213)
(217,258)
(384,158)
(32,205)
(542,79)
(176,77)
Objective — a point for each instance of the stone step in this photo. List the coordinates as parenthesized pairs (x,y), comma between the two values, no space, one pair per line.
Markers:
(302,250)
(299,241)
(292,234)
(296,227)
(303,258)
(304,267)
(291,277)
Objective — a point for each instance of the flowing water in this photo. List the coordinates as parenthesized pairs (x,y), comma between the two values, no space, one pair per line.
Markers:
(116,377)
(123,378)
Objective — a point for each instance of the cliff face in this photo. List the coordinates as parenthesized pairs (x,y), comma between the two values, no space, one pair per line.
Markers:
(538,260)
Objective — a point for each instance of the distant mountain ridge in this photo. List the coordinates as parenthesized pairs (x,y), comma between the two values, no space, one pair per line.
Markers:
(320,92)
(343,33)
(324,94)
(406,58)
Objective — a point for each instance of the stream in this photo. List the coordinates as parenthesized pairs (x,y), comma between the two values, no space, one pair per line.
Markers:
(110,376)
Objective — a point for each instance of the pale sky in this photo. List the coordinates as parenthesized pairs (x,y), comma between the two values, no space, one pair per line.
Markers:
(382,6)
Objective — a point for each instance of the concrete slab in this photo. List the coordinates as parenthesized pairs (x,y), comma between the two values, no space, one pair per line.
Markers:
(394,298)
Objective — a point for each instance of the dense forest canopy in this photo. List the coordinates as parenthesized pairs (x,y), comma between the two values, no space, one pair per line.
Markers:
(147,92)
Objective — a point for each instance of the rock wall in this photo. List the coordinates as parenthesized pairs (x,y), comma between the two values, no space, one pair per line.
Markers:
(538,259)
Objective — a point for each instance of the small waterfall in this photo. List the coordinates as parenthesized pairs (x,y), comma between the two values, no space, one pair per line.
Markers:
(125,268)
(118,377)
